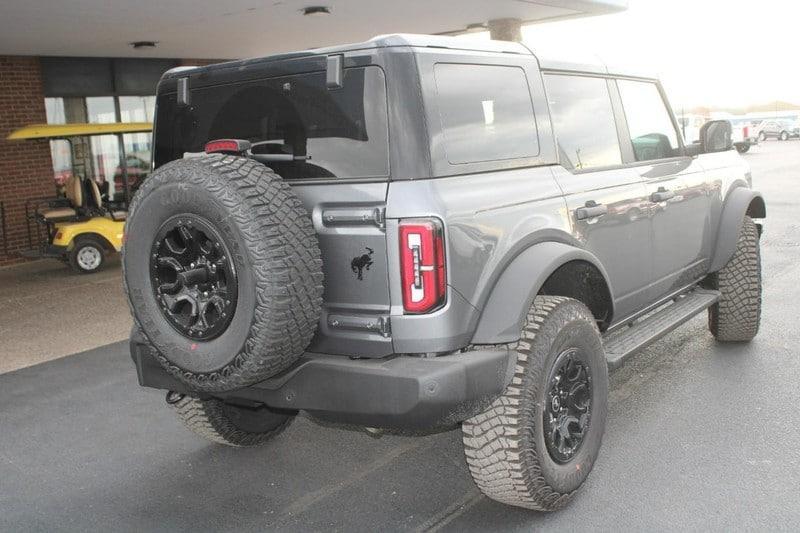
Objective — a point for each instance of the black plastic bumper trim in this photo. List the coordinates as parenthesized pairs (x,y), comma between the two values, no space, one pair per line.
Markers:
(395,392)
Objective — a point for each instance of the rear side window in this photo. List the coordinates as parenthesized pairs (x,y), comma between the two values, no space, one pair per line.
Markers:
(486,112)
(344,132)
(583,120)
(653,135)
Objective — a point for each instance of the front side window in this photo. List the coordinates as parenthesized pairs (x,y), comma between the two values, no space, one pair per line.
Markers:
(653,135)
(486,113)
(583,120)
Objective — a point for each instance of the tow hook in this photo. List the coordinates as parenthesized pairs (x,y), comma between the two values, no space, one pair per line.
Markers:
(174,397)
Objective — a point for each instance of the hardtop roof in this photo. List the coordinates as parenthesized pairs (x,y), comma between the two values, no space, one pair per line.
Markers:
(589,63)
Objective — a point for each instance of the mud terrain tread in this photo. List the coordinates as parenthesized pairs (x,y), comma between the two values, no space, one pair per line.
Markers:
(207,419)
(283,253)
(737,315)
(502,466)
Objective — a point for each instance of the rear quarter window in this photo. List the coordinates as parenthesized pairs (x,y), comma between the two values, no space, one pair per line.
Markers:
(486,112)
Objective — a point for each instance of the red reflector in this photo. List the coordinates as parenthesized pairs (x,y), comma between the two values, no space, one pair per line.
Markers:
(422,265)
(227,146)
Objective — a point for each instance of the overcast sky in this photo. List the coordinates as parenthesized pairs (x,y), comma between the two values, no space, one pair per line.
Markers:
(706,52)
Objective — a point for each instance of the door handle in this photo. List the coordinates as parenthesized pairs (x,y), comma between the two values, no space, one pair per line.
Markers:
(591,210)
(661,195)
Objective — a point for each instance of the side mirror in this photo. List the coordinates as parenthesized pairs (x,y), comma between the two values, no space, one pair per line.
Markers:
(716,136)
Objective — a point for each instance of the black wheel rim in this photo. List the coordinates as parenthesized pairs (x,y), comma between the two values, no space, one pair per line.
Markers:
(568,405)
(193,277)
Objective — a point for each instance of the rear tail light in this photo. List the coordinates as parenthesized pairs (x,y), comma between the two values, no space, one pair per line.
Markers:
(422,265)
(746,132)
(227,146)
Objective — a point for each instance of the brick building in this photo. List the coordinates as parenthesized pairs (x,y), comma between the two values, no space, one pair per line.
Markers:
(26,169)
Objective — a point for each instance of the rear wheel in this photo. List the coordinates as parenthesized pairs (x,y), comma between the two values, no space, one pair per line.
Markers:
(228,424)
(762,136)
(784,136)
(536,444)
(737,315)
(743,148)
(87,255)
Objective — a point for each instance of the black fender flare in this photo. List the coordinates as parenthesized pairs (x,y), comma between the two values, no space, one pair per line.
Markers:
(740,202)
(504,312)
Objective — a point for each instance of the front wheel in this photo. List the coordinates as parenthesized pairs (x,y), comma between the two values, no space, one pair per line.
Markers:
(87,255)
(784,136)
(743,148)
(536,444)
(228,424)
(737,314)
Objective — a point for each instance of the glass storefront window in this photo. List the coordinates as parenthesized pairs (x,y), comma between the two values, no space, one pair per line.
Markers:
(137,108)
(54,109)
(105,163)
(99,157)
(60,151)
(137,145)
(137,160)
(61,155)
(101,109)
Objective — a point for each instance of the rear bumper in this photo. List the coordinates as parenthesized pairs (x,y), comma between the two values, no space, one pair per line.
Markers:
(394,392)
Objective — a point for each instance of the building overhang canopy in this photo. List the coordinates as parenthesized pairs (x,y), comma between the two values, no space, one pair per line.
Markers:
(244,28)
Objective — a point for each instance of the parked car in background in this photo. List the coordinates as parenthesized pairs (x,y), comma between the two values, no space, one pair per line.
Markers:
(778,129)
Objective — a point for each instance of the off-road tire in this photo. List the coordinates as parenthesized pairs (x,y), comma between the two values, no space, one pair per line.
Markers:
(83,242)
(737,315)
(216,421)
(504,445)
(275,253)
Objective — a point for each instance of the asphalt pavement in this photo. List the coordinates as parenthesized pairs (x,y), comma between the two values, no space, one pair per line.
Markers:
(700,436)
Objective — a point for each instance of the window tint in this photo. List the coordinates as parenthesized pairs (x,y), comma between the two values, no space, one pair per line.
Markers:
(343,132)
(486,113)
(652,133)
(583,120)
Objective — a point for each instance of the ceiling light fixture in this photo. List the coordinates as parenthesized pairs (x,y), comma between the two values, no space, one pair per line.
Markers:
(143,44)
(316,11)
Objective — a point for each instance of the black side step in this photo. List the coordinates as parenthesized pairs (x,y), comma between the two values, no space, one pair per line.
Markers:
(622,343)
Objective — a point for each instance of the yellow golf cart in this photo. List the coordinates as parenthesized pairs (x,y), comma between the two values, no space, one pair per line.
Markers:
(82,223)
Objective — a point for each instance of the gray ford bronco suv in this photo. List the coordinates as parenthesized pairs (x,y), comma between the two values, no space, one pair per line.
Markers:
(417,233)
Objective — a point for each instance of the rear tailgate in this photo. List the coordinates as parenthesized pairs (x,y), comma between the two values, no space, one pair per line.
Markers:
(343,181)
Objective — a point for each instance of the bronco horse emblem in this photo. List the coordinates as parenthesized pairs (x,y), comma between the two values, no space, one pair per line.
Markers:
(362,262)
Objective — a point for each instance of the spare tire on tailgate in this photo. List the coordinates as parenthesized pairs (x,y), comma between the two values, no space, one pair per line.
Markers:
(222,270)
